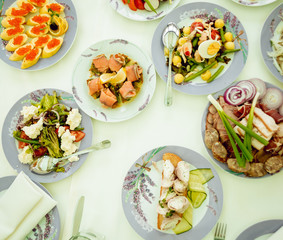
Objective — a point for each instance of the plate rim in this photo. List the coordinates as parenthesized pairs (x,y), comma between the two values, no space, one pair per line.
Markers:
(254,5)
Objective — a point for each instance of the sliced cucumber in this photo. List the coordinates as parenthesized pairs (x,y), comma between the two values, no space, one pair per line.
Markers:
(154,4)
(182,226)
(188,214)
(195,184)
(205,174)
(198,198)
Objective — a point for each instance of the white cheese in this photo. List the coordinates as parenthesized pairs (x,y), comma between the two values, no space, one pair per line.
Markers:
(61,131)
(25,156)
(74,159)
(168,170)
(74,118)
(34,130)
(28,112)
(67,143)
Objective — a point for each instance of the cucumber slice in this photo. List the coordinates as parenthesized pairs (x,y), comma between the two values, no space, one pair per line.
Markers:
(198,198)
(182,226)
(205,174)
(188,214)
(195,184)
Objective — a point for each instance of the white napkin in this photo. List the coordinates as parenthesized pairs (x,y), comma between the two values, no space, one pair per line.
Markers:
(22,206)
(278,235)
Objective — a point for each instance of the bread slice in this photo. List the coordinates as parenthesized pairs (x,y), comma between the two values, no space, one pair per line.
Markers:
(31,58)
(26,5)
(58,26)
(21,52)
(52,47)
(16,42)
(37,30)
(174,159)
(16,11)
(38,3)
(55,8)
(41,41)
(11,21)
(39,19)
(12,32)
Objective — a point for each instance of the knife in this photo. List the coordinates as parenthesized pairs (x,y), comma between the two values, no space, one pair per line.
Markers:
(78,215)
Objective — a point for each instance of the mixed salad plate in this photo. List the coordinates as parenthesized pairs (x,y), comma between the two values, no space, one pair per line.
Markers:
(149,203)
(143,10)
(46,122)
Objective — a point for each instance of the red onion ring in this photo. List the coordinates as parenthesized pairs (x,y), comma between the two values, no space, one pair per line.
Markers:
(249,88)
(235,95)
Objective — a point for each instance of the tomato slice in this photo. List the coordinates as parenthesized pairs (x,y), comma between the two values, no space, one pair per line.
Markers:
(199,25)
(78,134)
(215,34)
(124,1)
(132,5)
(40,151)
(23,136)
(139,4)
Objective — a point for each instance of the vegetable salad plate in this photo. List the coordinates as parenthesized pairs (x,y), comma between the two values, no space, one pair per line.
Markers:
(141,14)
(254,3)
(271,50)
(261,230)
(23,157)
(45,38)
(114,80)
(268,113)
(141,195)
(49,226)
(211,51)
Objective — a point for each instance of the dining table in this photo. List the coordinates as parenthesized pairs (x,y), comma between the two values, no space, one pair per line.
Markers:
(246,201)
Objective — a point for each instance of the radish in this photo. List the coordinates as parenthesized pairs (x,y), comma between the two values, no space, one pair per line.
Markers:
(154,3)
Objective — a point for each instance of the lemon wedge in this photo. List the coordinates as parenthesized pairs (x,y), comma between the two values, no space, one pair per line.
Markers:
(106,77)
(119,77)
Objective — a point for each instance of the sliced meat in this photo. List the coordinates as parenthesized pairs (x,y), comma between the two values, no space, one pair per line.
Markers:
(101,63)
(116,61)
(219,152)
(94,86)
(127,90)
(261,156)
(256,170)
(212,109)
(273,164)
(275,115)
(107,98)
(266,119)
(211,136)
(133,72)
(234,166)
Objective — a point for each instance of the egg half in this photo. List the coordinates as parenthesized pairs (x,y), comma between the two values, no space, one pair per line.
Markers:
(209,48)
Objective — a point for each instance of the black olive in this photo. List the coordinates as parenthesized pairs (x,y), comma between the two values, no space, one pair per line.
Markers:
(54,26)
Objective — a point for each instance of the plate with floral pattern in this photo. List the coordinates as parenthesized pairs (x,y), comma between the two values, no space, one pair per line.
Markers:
(13,119)
(141,190)
(49,225)
(81,74)
(143,15)
(185,16)
(254,3)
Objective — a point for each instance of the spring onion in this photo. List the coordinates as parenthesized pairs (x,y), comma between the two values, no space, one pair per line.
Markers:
(199,72)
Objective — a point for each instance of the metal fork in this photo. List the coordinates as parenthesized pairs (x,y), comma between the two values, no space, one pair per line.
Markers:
(220,231)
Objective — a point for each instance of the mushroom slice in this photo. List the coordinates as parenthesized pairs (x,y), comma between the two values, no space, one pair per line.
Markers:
(178,204)
(170,222)
(183,171)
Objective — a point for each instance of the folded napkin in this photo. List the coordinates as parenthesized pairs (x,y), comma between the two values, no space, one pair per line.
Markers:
(22,206)
(278,235)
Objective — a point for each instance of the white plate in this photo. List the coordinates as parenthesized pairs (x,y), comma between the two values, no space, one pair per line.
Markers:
(254,3)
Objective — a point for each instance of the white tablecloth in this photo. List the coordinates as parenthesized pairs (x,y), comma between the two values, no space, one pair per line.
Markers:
(246,201)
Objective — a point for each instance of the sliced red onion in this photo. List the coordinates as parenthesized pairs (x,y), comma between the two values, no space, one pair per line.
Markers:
(37,117)
(281,110)
(235,95)
(249,88)
(273,98)
(260,86)
(57,114)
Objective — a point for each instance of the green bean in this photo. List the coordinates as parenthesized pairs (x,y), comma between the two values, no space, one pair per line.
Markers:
(198,35)
(193,67)
(222,35)
(195,41)
(215,75)
(200,72)
(230,51)
(26,140)
(191,63)
(193,60)
(219,59)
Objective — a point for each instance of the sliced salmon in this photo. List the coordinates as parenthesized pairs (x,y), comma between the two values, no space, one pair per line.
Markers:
(94,86)
(107,98)
(133,72)
(127,90)
(101,63)
(116,61)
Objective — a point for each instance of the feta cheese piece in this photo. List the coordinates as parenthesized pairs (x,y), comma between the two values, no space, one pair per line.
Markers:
(25,156)
(34,130)
(61,131)
(67,143)
(74,159)
(28,112)
(74,118)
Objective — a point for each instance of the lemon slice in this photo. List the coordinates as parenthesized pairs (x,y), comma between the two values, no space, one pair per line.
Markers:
(106,77)
(119,77)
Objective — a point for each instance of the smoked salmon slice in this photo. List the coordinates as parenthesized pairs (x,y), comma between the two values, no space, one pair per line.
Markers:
(127,90)
(94,86)
(107,98)
(116,62)
(101,63)
(133,72)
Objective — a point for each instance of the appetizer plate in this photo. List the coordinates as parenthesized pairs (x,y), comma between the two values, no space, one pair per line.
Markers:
(49,226)
(203,128)
(69,37)
(92,106)
(141,190)
(254,3)
(262,229)
(10,144)
(143,15)
(184,16)
(267,33)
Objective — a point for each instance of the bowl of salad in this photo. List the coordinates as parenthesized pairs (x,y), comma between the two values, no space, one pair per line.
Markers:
(143,10)
(46,122)
(211,50)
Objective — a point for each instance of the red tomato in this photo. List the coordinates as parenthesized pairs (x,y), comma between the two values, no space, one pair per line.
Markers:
(23,136)
(124,1)
(40,151)
(139,4)
(215,34)
(132,5)
(78,134)
(187,53)
(199,25)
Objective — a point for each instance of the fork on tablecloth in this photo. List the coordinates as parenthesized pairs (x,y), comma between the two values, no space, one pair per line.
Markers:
(220,231)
